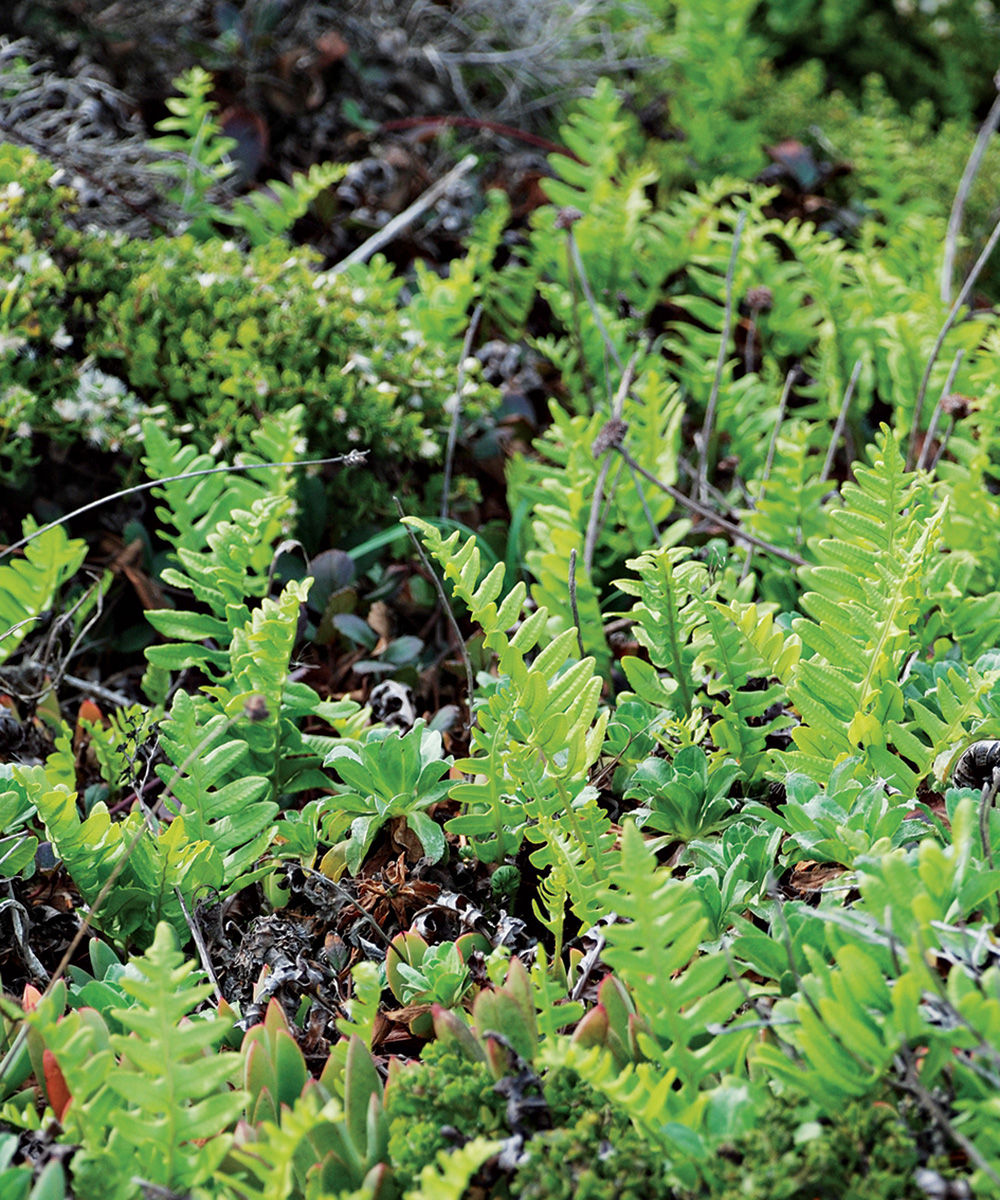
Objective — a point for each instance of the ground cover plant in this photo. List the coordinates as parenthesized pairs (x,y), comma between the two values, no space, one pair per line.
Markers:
(519,717)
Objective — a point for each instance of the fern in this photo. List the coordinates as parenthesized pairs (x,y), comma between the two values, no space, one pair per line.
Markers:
(271,211)
(449,1178)
(29,585)
(178,1098)
(669,622)
(233,817)
(841,667)
(201,164)
(536,723)
(202,161)
(653,948)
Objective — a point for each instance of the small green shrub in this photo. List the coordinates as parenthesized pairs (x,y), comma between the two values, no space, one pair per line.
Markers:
(101,332)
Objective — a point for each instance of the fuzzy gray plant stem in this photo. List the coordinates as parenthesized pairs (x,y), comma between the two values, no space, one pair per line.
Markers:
(962,194)
(449,458)
(936,415)
(617,407)
(720,363)
(838,429)
(442,597)
(572,602)
(945,330)
(986,803)
(702,510)
(354,458)
(591,299)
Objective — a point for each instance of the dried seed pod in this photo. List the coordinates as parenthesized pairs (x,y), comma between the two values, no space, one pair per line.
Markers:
(956,405)
(567,217)
(976,765)
(611,435)
(759,299)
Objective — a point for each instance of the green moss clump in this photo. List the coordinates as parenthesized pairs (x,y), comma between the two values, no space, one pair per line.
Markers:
(866,1153)
(100,331)
(592,1160)
(444,1089)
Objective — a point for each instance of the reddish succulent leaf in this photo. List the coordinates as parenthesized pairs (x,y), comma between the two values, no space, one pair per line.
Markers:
(55,1084)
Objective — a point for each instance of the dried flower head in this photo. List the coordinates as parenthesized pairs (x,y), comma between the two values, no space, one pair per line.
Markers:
(567,217)
(610,436)
(759,299)
(956,405)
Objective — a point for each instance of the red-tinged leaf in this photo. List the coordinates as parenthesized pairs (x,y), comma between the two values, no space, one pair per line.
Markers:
(30,997)
(449,1027)
(264,1108)
(290,1067)
(55,1084)
(593,1029)
(258,1070)
(498,1058)
(89,711)
(274,1021)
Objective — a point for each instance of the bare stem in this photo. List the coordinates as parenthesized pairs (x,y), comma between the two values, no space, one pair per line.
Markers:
(786,391)
(962,194)
(945,330)
(702,510)
(449,457)
(838,429)
(353,458)
(572,602)
(406,218)
(938,408)
(439,588)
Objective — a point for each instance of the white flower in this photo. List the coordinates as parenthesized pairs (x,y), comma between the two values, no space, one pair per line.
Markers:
(61,339)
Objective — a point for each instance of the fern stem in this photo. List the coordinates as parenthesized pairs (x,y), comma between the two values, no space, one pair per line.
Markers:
(838,429)
(617,407)
(449,457)
(581,270)
(720,363)
(439,588)
(572,601)
(769,462)
(702,510)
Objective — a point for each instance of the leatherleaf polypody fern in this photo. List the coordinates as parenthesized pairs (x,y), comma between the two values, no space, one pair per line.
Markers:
(537,731)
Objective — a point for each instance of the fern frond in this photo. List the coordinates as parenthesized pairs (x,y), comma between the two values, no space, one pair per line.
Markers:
(178,1100)
(220,803)
(29,585)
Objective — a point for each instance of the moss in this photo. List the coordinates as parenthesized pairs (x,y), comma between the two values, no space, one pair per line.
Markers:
(866,1153)
(443,1090)
(591,1160)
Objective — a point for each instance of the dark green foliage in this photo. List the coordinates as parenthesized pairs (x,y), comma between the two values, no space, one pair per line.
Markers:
(592,1160)
(865,1152)
(206,338)
(444,1089)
